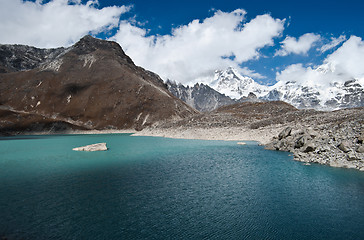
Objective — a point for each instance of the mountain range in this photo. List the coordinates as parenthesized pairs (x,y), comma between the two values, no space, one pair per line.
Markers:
(95,85)
(303,95)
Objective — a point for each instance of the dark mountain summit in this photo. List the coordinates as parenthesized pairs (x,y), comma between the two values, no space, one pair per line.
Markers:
(200,96)
(15,58)
(91,85)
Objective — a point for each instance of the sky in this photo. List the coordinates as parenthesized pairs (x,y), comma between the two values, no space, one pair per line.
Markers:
(186,41)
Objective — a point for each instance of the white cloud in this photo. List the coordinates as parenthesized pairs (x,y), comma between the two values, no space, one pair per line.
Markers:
(195,50)
(56,23)
(297,46)
(250,73)
(333,43)
(349,58)
(342,65)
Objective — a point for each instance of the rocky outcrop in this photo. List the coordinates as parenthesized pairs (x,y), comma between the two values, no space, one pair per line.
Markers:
(92,148)
(200,96)
(337,147)
(15,58)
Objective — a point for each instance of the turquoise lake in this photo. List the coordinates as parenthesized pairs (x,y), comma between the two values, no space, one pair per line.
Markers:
(160,188)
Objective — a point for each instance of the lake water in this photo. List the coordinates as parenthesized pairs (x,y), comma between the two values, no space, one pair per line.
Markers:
(159,188)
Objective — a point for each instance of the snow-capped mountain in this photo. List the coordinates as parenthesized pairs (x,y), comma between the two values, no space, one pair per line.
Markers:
(335,96)
(231,83)
(326,90)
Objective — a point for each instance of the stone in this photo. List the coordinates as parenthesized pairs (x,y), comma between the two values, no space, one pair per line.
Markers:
(352,156)
(92,147)
(285,133)
(361,138)
(284,145)
(312,133)
(309,147)
(344,146)
(360,149)
(301,141)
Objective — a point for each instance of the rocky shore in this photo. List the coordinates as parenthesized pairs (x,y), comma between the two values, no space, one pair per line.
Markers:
(341,146)
(332,138)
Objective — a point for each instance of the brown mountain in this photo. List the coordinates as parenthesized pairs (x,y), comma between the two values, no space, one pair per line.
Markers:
(91,85)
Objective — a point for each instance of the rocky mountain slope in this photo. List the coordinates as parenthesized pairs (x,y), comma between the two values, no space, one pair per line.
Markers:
(200,96)
(334,95)
(204,98)
(91,85)
(15,58)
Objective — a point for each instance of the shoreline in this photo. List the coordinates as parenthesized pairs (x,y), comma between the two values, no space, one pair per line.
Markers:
(262,136)
(324,153)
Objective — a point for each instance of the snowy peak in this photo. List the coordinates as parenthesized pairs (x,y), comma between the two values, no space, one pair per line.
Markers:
(323,88)
(231,83)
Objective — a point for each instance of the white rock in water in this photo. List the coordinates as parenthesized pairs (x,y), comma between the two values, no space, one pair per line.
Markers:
(241,143)
(92,147)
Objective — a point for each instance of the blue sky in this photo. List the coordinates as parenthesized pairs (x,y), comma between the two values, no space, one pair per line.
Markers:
(160,35)
(327,18)
(306,16)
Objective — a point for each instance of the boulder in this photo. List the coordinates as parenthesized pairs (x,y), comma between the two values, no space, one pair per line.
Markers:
(284,145)
(312,133)
(285,133)
(344,146)
(352,156)
(361,138)
(360,149)
(309,147)
(301,141)
(92,147)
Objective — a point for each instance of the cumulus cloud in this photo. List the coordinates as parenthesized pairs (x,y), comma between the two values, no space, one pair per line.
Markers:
(56,23)
(348,59)
(297,46)
(248,72)
(344,64)
(194,51)
(333,43)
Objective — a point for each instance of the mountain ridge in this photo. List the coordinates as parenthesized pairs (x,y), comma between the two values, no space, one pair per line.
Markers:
(93,83)
(334,96)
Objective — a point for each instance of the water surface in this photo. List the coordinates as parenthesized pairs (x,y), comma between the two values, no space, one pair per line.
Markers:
(158,188)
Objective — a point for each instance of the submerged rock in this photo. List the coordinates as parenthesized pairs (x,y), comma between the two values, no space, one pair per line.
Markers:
(92,147)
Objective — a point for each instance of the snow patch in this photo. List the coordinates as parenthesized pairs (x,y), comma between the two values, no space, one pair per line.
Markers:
(40,83)
(88,59)
(52,66)
(145,120)
(140,114)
